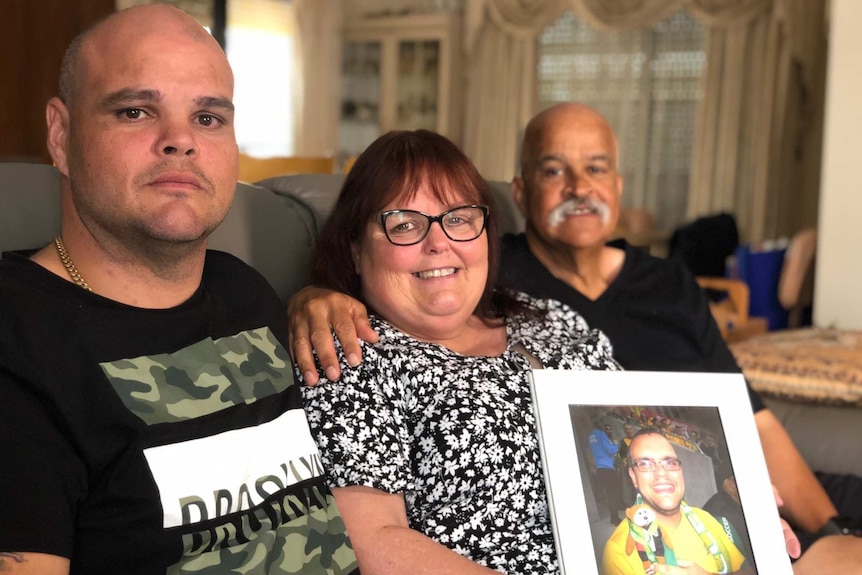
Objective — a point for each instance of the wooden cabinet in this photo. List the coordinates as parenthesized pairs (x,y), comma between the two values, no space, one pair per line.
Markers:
(34,36)
(399,73)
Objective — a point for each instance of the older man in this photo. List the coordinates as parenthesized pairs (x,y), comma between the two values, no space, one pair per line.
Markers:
(149,419)
(688,538)
(653,311)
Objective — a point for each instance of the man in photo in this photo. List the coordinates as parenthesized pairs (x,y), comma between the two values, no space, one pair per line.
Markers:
(726,508)
(661,533)
(626,490)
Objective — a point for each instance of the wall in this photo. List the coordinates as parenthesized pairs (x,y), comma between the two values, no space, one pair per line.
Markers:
(838,281)
(33,37)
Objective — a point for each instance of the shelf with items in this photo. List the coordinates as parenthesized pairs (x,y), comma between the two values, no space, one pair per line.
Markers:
(399,73)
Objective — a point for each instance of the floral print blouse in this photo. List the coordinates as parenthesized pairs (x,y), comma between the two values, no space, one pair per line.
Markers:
(455,434)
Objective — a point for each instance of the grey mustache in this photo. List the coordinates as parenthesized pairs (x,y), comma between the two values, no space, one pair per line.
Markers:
(573,205)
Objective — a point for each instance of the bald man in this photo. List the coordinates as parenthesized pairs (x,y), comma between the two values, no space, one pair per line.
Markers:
(652,310)
(148,415)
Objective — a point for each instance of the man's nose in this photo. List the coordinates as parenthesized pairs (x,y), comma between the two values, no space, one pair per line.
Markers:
(577,185)
(176,138)
(660,470)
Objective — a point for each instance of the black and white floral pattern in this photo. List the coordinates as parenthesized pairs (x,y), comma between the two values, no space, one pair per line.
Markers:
(455,434)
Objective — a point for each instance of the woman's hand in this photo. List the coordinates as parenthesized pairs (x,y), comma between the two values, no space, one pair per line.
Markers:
(313,313)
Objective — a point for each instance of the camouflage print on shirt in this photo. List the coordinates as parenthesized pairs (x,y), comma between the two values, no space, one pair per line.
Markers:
(202,378)
(269,512)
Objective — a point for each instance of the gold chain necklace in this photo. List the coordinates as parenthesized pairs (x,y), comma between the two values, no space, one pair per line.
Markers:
(70,267)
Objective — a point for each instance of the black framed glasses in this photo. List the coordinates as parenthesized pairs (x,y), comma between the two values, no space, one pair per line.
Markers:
(408,227)
(646,465)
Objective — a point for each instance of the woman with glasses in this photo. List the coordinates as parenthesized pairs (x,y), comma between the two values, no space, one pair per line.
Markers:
(430,444)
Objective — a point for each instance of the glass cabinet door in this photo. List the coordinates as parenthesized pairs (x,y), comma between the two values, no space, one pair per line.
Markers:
(399,73)
(417,84)
(360,96)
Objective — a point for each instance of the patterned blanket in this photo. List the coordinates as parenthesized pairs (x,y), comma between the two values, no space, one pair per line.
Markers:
(822,366)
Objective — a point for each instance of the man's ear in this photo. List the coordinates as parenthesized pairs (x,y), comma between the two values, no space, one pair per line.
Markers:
(518,194)
(57,119)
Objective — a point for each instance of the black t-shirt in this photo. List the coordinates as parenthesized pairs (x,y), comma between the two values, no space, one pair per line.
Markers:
(137,440)
(728,512)
(654,312)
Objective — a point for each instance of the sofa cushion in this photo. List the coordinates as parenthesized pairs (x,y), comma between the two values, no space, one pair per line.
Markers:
(319,191)
(30,212)
(823,434)
(273,233)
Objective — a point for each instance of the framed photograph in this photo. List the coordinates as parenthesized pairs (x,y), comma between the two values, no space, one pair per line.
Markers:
(644,468)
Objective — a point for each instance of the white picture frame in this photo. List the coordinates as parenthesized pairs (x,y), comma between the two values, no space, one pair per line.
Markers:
(719,406)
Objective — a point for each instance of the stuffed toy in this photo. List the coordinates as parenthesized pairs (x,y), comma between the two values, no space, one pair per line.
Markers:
(645,536)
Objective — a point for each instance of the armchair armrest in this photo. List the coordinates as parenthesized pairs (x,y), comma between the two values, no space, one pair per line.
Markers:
(731,314)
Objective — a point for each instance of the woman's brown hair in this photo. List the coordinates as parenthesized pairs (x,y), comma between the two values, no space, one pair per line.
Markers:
(393,168)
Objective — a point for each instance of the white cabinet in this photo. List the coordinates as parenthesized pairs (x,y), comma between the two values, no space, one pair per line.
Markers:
(399,73)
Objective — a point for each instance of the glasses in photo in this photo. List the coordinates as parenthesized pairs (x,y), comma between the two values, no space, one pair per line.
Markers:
(669,464)
(408,227)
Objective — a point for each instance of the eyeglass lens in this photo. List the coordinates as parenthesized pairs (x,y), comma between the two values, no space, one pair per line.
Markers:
(406,227)
(669,463)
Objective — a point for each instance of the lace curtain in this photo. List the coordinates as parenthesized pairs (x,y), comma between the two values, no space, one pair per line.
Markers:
(646,83)
(757,143)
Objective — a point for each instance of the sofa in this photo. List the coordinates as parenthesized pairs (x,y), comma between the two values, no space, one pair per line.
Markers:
(811,378)
(273,232)
(273,225)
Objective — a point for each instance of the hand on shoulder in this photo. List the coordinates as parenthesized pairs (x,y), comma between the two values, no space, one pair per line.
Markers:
(313,314)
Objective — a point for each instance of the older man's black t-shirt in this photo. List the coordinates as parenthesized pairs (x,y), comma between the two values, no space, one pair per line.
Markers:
(654,312)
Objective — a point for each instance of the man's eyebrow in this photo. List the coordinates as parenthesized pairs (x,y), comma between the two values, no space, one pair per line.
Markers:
(215,102)
(129,95)
(559,158)
(549,158)
(599,158)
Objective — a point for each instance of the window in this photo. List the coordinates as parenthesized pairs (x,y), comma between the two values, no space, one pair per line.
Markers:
(259,39)
(646,83)
(259,47)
